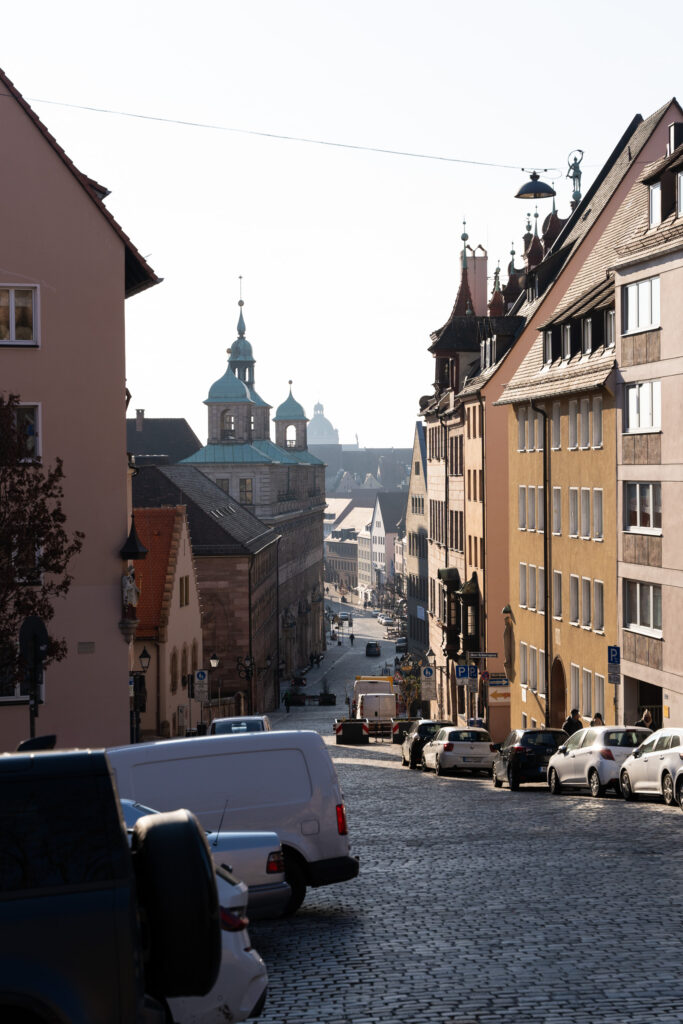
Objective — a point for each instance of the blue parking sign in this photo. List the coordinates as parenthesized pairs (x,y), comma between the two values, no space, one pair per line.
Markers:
(461,671)
(613,656)
(473,670)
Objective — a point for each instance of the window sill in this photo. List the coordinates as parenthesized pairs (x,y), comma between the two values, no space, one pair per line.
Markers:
(19,344)
(587,628)
(643,430)
(641,330)
(655,634)
(644,531)
(597,447)
(598,540)
(599,632)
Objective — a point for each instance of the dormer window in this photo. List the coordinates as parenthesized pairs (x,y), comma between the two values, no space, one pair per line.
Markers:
(679,194)
(610,333)
(547,347)
(566,341)
(655,204)
(586,336)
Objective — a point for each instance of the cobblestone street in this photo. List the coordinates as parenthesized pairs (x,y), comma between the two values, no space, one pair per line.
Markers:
(475,905)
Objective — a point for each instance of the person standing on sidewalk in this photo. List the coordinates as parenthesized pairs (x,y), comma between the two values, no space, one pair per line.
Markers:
(351,638)
(285,701)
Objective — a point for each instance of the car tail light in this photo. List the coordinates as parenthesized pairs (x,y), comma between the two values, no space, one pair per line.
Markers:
(233,922)
(607,754)
(448,746)
(342,827)
(276,863)
(492,748)
(521,750)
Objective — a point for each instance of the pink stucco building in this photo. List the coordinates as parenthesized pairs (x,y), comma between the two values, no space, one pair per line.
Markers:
(69,267)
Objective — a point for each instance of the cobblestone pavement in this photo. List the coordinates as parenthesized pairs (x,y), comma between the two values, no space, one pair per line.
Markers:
(475,905)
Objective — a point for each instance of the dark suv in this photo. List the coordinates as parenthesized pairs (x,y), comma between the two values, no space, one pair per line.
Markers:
(90,932)
(414,740)
(524,755)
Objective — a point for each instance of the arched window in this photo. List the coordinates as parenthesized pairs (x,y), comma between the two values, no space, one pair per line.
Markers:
(174,671)
(227,426)
(290,436)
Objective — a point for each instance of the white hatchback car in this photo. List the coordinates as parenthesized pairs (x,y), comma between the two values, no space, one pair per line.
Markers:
(653,768)
(238,725)
(452,748)
(593,758)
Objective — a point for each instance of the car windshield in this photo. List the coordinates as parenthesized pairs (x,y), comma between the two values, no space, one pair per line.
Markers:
(543,739)
(624,737)
(426,730)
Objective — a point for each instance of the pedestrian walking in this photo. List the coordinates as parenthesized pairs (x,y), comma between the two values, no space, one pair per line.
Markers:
(285,701)
(645,720)
(597,719)
(572,722)
(351,638)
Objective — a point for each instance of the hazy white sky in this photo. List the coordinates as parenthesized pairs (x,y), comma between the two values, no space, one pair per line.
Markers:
(349,258)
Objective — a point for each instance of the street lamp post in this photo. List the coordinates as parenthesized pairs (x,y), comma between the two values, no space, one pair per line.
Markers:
(214,662)
(249,670)
(139,695)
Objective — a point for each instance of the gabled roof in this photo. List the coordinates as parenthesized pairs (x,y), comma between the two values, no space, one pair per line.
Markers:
(138,273)
(392,506)
(162,529)
(219,525)
(263,451)
(166,440)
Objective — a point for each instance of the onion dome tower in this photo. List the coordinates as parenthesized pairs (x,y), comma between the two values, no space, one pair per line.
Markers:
(290,424)
(242,363)
(230,410)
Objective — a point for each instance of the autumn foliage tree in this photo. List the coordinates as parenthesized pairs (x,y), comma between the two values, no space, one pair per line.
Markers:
(35,548)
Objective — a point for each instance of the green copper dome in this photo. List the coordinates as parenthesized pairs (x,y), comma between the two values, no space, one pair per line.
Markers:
(241,351)
(290,409)
(229,388)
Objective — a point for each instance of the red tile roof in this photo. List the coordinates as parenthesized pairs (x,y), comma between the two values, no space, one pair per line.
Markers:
(159,530)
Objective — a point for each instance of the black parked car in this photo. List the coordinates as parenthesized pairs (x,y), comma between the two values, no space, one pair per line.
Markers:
(373,649)
(524,755)
(414,740)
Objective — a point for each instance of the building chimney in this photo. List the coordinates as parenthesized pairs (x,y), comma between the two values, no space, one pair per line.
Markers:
(139,420)
(675,135)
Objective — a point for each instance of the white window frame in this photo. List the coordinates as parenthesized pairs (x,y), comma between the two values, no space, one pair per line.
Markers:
(643,592)
(547,347)
(12,341)
(599,701)
(679,193)
(574,678)
(585,441)
(540,510)
(643,407)
(522,584)
(566,342)
(557,594)
(521,429)
(557,434)
(640,306)
(655,204)
(598,606)
(533,669)
(573,512)
(610,328)
(521,507)
(541,673)
(586,336)
(540,432)
(587,695)
(586,620)
(573,599)
(597,514)
(638,484)
(540,591)
(557,511)
(573,426)
(531,588)
(531,431)
(531,508)
(585,517)
(523,677)
(597,421)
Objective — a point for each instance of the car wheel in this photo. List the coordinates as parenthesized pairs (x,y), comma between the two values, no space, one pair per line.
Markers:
(439,769)
(496,781)
(296,880)
(412,760)
(596,787)
(513,778)
(423,764)
(403,759)
(181,922)
(626,790)
(554,784)
(668,789)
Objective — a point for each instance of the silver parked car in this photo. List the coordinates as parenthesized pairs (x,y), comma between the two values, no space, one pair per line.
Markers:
(452,748)
(653,768)
(593,758)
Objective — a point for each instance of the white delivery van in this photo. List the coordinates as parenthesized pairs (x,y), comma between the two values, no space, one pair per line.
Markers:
(372,684)
(281,782)
(379,709)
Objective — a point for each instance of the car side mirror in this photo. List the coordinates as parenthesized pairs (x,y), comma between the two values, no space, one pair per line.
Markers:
(637,752)
(562,749)
(495,746)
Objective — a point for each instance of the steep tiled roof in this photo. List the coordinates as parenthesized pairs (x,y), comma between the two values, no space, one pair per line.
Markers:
(219,525)
(138,273)
(263,451)
(642,241)
(169,440)
(392,507)
(161,528)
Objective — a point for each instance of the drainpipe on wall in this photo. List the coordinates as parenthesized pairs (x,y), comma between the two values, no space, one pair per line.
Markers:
(484,521)
(547,569)
(252,676)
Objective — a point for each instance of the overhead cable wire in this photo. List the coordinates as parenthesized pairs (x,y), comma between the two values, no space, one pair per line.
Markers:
(275,135)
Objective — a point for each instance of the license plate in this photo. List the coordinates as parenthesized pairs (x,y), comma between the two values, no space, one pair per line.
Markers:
(475,759)
(541,769)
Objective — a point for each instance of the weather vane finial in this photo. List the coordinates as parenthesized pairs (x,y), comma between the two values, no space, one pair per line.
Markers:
(574,172)
(240,302)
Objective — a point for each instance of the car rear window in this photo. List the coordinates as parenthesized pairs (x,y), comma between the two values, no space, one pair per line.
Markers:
(624,738)
(543,739)
(468,736)
(238,727)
